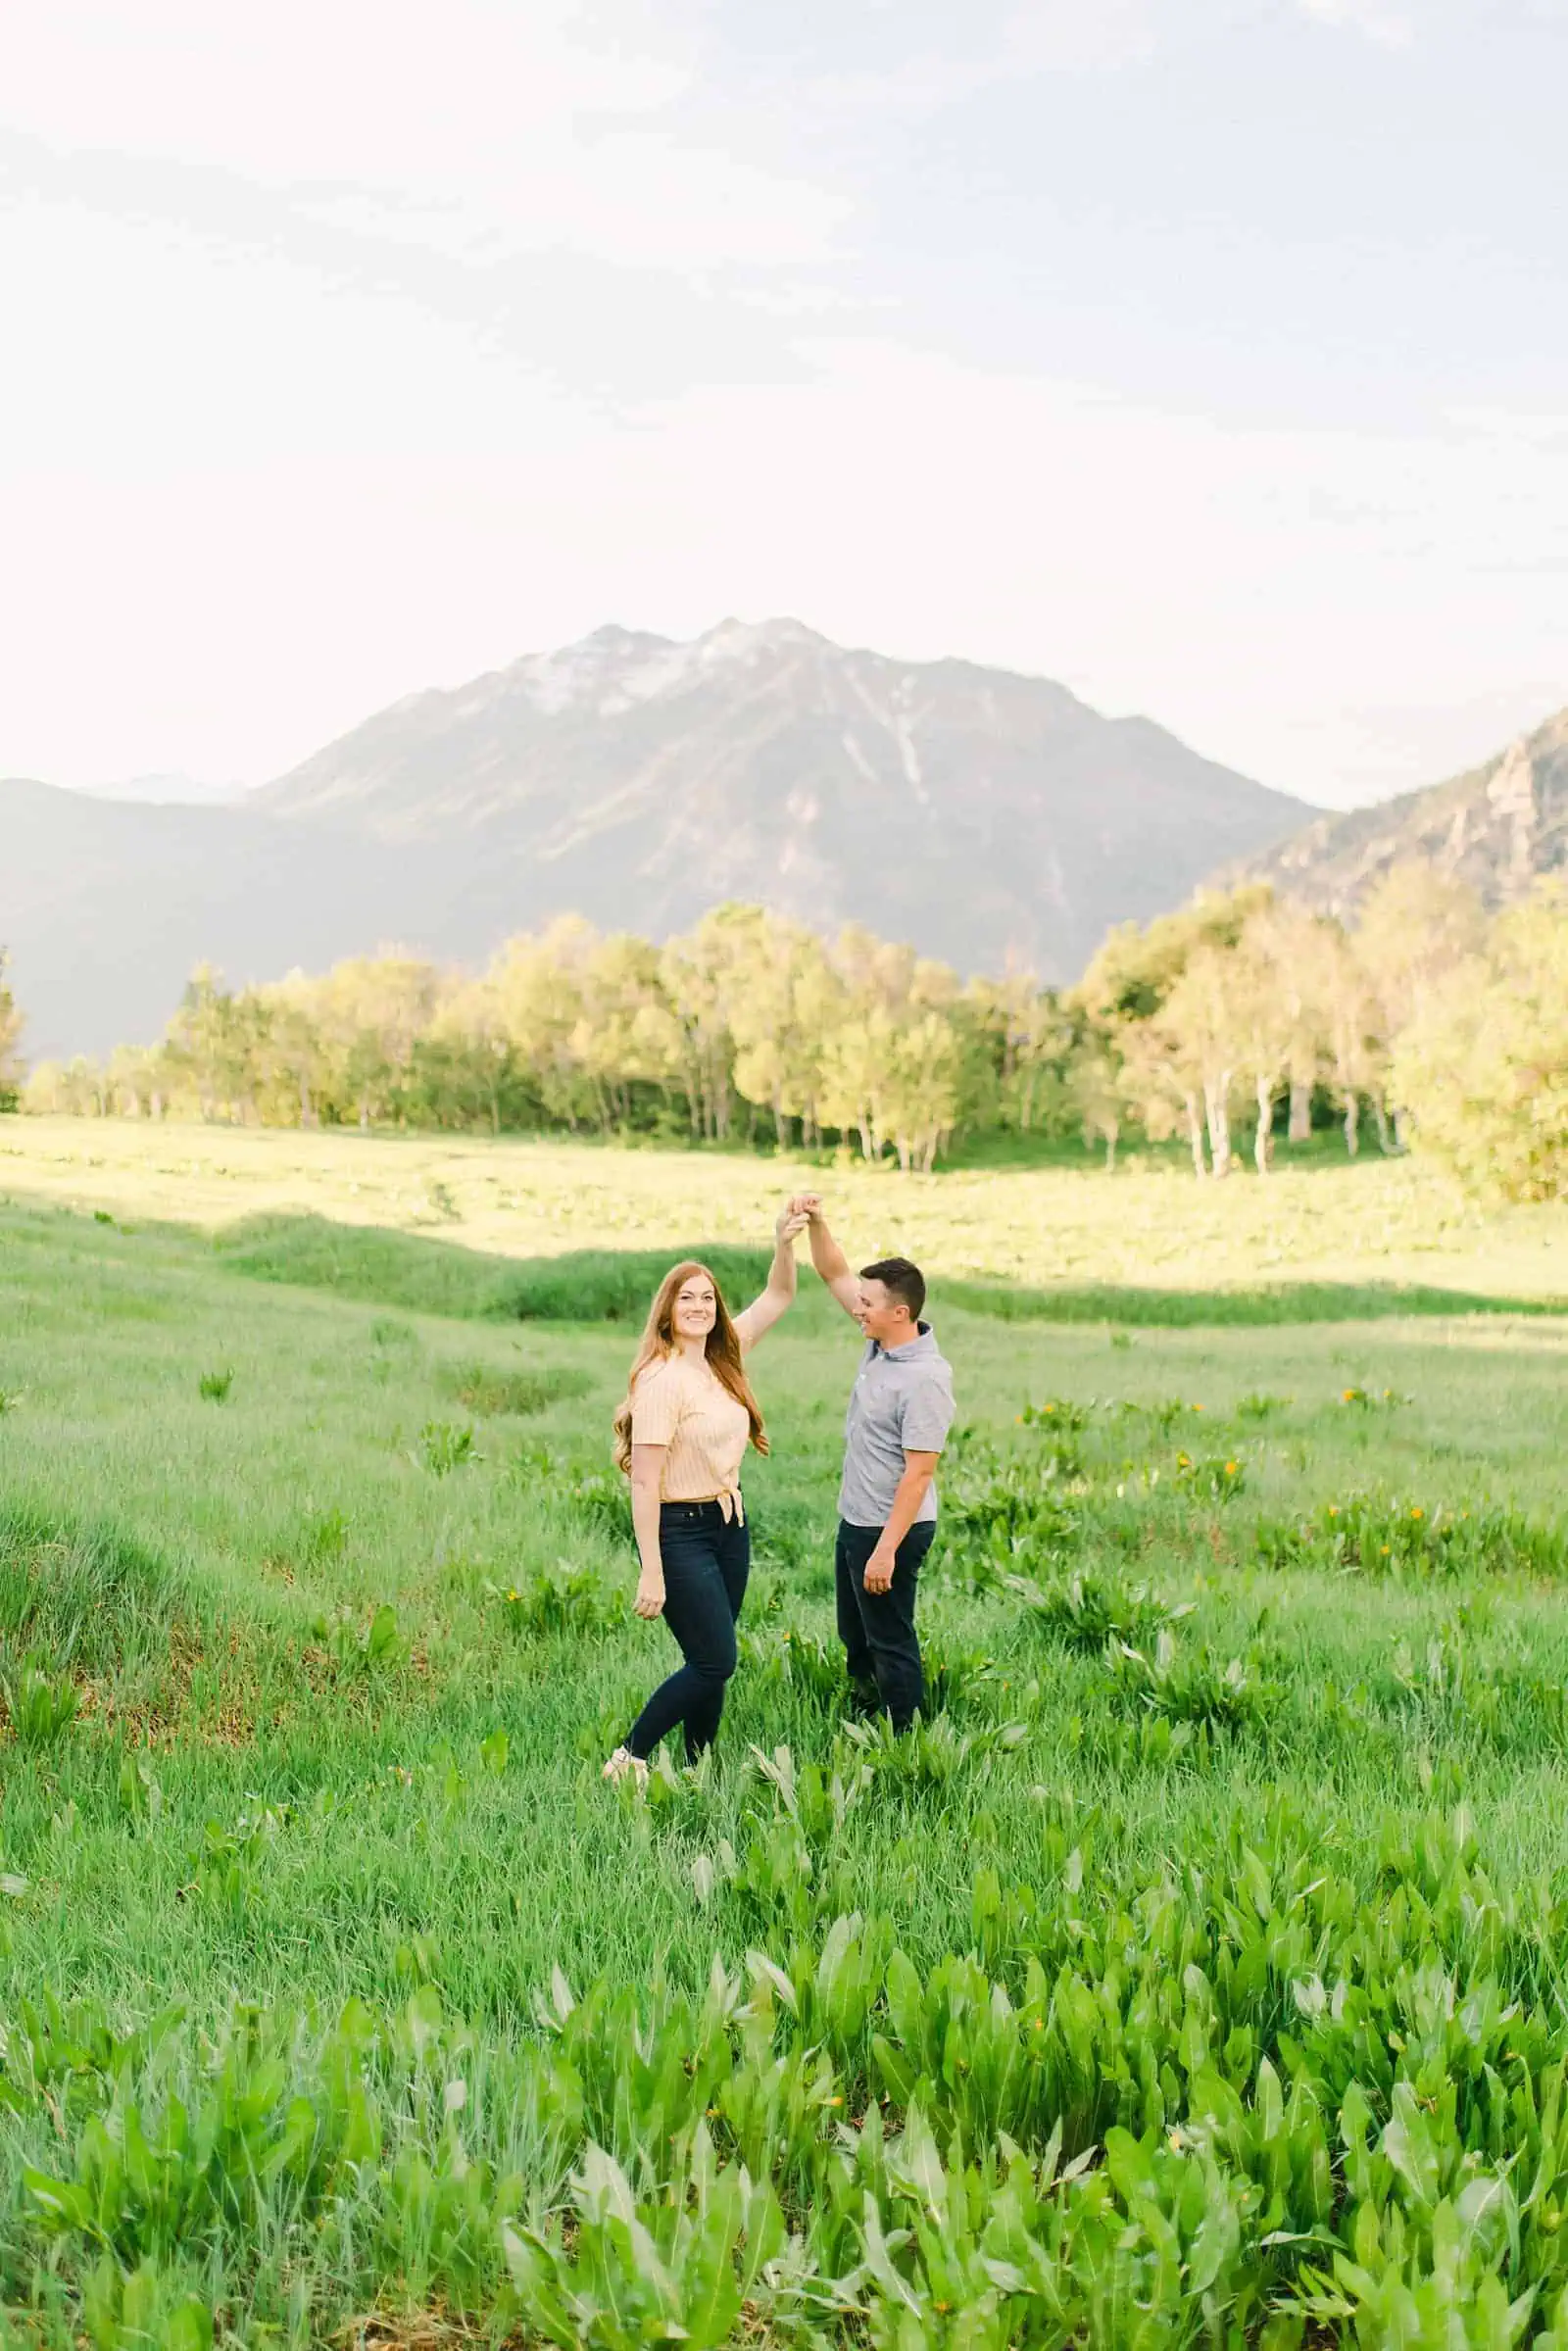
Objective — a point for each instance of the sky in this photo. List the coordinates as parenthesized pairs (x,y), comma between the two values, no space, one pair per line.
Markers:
(1211,356)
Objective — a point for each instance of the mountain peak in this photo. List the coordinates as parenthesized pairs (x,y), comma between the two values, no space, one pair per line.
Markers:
(613,668)
(740,640)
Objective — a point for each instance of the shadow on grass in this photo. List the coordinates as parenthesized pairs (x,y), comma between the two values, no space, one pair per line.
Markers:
(441,1277)
(615,1286)
(1208,1309)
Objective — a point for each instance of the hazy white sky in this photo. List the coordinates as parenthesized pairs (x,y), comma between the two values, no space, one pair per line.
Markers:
(1209,355)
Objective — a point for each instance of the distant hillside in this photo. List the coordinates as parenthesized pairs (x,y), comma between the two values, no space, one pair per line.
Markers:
(1498,828)
(108,905)
(637,781)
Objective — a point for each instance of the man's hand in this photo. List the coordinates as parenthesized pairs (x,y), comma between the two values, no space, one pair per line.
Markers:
(650,1601)
(879,1568)
(807,1204)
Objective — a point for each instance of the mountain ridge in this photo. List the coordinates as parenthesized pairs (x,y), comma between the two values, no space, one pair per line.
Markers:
(788,768)
(1500,827)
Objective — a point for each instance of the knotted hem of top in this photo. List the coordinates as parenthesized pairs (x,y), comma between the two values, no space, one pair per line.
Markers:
(731,1507)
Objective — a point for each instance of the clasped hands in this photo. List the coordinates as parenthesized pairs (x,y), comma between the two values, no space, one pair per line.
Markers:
(795,1215)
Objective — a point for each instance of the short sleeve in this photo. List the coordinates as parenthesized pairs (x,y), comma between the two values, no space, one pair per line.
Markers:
(927,1417)
(655,1407)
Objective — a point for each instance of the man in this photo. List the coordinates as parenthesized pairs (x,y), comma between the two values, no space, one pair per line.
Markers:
(901,1410)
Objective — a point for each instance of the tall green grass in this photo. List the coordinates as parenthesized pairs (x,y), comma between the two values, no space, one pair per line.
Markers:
(82,1593)
(1193,1975)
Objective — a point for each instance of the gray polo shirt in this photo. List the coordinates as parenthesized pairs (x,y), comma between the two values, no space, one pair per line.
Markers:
(902,1402)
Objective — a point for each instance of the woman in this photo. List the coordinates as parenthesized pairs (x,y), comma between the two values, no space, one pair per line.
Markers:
(679,1436)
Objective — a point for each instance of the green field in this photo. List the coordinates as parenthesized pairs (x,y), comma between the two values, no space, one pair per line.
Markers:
(1196,1972)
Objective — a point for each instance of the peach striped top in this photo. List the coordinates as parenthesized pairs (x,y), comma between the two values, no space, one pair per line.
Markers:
(682,1406)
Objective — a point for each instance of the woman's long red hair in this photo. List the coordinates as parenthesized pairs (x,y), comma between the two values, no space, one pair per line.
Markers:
(657,1345)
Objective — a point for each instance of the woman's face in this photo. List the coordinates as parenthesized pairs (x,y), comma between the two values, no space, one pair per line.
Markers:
(696,1307)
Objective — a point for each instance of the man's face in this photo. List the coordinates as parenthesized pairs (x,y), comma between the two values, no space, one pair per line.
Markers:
(885,1319)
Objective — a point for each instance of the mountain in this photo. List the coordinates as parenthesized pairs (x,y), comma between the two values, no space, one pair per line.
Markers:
(108,905)
(1499,828)
(637,781)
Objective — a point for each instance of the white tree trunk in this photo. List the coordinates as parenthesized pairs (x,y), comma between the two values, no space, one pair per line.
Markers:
(1300,1126)
(1263,1144)
(1216,1103)
(1195,1136)
(1352,1122)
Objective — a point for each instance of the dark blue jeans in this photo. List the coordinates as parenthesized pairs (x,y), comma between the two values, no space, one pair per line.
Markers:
(707,1561)
(877,1628)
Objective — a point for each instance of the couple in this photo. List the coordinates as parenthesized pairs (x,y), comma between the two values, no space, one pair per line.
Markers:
(688,1417)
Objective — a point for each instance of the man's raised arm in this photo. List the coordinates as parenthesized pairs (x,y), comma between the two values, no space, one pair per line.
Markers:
(828,1258)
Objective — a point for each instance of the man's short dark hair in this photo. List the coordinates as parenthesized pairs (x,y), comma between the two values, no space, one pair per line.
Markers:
(900,1279)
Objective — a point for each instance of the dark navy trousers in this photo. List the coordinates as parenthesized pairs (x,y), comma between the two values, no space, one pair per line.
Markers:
(877,1628)
(706,1559)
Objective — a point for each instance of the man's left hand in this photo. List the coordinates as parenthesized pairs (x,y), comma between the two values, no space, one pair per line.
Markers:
(879,1569)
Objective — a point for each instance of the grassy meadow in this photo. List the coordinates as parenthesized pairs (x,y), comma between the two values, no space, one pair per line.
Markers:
(1198,1972)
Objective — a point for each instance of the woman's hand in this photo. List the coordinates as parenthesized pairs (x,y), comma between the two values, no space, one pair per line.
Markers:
(783,1275)
(650,1601)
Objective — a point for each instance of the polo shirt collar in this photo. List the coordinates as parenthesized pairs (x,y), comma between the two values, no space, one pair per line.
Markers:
(902,1354)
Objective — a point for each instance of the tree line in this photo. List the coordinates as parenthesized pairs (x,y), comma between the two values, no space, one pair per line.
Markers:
(1429,1020)
(1426,1021)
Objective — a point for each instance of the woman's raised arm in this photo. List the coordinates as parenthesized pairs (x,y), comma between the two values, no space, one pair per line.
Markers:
(779,1295)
